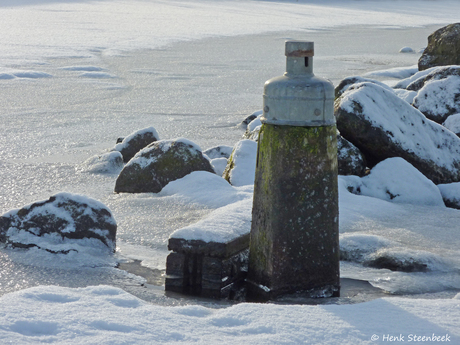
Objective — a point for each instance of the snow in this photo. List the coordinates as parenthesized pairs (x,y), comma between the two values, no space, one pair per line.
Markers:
(207,189)
(452,123)
(406,95)
(406,50)
(244,163)
(450,191)
(108,315)
(416,76)
(175,65)
(398,181)
(398,72)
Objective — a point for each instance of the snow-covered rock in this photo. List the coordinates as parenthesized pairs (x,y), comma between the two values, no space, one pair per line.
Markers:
(435,73)
(452,123)
(241,165)
(451,194)
(111,162)
(250,118)
(403,84)
(405,95)
(60,224)
(406,50)
(218,151)
(218,157)
(379,252)
(438,99)
(253,129)
(159,163)
(382,125)
(443,48)
(136,141)
(349,81)
(396,180)
(349,158)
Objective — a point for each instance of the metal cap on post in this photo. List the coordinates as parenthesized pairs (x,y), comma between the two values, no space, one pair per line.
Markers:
(298,98)
(294,244)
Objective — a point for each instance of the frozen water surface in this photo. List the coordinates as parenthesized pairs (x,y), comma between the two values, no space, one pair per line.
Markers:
(63,101)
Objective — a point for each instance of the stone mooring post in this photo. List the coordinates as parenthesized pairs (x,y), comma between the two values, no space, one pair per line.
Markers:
(294,241)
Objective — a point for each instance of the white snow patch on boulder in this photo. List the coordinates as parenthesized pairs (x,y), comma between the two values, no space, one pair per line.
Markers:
(403,84)
(241,168)
(451,194)
(452,123)
(438,97)
(406,95)
(398,181)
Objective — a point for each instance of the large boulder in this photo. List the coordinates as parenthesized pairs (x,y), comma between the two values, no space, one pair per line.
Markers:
(382,125)
(443,48)
(349,158)
(159,163)
(60,224)
(135,142)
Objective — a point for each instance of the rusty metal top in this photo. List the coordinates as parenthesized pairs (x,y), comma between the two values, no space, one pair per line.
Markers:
(299,49)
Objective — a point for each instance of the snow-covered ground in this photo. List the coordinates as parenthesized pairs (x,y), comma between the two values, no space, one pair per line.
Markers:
(76,75)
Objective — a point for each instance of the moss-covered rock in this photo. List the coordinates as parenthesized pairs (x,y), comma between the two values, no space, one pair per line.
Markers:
(159,163)
(443,48)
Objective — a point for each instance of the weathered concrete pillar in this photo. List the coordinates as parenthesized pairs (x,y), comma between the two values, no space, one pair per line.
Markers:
(294,245)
